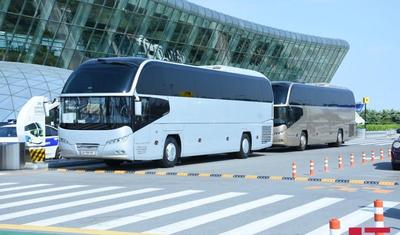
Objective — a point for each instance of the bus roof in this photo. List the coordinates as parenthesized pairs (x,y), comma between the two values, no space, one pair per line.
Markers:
(327,85)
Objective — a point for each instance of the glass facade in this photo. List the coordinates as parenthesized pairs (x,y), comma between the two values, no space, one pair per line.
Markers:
(20,81)
(64,33)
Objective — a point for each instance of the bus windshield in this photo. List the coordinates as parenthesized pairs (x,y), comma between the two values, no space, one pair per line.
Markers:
(111,77)
(280,93)
(96,110)
(287,115)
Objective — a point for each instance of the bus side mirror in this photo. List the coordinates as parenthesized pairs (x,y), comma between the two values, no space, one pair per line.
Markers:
(138,108)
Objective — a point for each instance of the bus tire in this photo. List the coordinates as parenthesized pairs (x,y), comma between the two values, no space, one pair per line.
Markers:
(395,166)
(302,142)
(339,139)
(57,155)
(171,154)
(245,146)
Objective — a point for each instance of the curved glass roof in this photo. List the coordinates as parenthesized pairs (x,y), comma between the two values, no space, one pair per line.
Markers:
(19,82)
(254,27)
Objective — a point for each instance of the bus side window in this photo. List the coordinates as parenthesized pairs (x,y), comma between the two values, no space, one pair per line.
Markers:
(152,109)
(294,113)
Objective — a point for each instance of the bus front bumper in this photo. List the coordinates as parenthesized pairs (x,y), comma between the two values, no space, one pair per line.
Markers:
(283,139)
(100,146)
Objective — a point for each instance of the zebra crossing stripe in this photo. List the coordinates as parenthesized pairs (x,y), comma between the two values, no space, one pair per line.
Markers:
(213,216)
(107,209)
(163,211)
(14,195)
(23,187)
(6,184)
(39,210)
(56,197)
(60,230)
(283,217)
(353,219)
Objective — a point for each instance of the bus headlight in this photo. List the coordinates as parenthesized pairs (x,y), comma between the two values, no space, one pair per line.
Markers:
(117,140)
(396,145)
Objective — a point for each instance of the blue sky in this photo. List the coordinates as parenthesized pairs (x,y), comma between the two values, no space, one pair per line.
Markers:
(372,27)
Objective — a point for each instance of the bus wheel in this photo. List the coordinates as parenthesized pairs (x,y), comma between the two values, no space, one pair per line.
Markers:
(339,139)
(303,142)
(57,155)
(171,154)
(245,146)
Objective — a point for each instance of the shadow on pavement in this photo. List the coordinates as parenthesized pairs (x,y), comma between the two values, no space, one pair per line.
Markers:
(383,166)
(93,165)
(293,149)
(393,213)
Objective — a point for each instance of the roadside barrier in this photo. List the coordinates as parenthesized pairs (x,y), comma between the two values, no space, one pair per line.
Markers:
(378,217)
(334,226)
(37,154)
(382,155)
(294,170)
(312,173)
(340,162)
(326,167)
(352,160)
(373,156)
(363,158)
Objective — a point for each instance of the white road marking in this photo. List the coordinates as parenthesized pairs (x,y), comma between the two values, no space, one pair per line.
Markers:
(39,210)
(3,173)
(56,197)
(354,219)
(107,209)
(14,195)
(161,212)
(5,184)
(283,217)
(23,187)
(213,216)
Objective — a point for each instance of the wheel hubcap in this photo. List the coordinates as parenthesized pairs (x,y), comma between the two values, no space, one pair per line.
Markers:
(171,152)
(303,141)
(245,145)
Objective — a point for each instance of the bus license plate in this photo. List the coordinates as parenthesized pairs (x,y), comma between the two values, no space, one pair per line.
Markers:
(88,153)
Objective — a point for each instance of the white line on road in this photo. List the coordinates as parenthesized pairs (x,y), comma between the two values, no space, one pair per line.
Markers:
(161,212)
(214,216)
(283,217)
(353,219)
(56,197)
(3,173)
(39,210)
(107,209)
(14,195)
(5,184)
(23,187)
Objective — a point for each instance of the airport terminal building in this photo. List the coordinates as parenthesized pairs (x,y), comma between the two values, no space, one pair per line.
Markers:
(64,33)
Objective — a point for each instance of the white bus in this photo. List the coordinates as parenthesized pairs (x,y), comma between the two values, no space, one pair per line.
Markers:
(126,109)
(306,114)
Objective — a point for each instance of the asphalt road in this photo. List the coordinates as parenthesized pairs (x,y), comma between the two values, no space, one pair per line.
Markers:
(93,197)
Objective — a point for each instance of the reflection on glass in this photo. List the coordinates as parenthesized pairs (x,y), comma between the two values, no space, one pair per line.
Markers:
(96,110)
(66,33)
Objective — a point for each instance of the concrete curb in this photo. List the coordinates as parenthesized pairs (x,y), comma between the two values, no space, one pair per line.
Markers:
(234,176)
